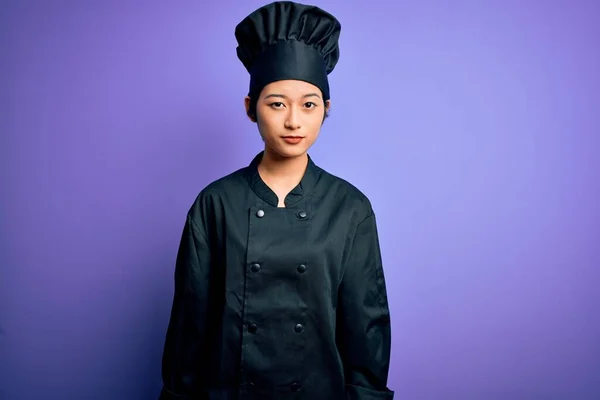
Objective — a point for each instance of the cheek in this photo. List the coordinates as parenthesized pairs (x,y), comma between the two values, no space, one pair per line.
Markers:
(270,120)
(314,123)
(269,126)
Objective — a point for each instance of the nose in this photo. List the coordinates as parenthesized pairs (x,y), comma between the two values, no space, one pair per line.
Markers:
(292,121)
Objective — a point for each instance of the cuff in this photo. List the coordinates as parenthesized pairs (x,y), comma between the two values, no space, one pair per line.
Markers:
(362,393)
(166,394)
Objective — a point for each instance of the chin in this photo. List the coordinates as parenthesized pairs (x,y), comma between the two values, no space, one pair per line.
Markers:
(292,153)
(289,151)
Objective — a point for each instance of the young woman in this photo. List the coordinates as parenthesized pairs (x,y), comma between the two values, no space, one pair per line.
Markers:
(279,286)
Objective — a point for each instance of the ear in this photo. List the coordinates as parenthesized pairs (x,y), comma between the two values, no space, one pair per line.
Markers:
(247,106)
(328,105)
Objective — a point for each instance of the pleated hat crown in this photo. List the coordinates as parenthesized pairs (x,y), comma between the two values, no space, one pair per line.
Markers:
(288,40)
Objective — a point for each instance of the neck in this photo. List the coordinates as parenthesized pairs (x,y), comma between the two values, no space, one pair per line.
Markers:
(287,170)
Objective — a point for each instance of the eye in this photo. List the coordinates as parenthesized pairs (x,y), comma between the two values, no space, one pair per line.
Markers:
(276,104)
(310,104)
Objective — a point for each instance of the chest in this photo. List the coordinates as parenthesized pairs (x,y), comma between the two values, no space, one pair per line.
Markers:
(309,238)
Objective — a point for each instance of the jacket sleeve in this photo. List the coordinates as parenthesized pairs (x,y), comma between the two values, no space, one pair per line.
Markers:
(364,330)
(183,361)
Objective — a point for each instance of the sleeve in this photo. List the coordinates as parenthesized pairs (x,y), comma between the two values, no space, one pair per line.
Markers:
(364,329)
(183,361)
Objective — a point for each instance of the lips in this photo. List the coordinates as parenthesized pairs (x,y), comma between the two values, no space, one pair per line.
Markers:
(293,139)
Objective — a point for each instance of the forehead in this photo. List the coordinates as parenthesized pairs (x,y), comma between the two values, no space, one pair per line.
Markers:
(291,88)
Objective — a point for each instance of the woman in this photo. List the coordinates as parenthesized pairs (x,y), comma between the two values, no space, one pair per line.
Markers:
(279,287)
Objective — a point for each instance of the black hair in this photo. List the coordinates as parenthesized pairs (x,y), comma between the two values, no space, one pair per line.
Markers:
(254,102)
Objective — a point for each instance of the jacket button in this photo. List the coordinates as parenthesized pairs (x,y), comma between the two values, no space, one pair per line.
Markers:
(302,214)
(252,328)
(295,387)
(260,213)
(255,267)
(299,328)
(301,268)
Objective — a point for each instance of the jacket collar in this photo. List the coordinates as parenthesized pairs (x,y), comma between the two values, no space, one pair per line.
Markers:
(263,191)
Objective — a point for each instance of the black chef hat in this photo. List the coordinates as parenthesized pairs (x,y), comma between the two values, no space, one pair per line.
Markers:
(287,40)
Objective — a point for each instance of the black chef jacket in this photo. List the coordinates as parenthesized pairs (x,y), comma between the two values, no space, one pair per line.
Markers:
(278,303)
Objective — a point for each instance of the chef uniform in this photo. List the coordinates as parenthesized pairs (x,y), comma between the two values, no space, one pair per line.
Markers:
(280,303)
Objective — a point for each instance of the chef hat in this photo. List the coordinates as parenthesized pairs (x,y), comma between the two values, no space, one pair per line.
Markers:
(288,40)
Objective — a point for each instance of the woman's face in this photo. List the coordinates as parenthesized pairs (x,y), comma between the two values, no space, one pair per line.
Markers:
(289,115)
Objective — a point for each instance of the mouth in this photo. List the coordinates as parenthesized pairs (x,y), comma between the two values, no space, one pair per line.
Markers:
(292,139)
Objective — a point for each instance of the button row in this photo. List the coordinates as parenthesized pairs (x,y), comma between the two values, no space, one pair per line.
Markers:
(301,214)
(253,328)
(256,267)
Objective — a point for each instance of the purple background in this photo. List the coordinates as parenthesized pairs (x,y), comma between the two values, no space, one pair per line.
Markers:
(473,127)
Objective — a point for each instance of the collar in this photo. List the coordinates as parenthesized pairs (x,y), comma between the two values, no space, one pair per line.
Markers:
(263,191)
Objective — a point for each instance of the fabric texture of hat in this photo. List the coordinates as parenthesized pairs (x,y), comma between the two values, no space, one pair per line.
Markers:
(288,40)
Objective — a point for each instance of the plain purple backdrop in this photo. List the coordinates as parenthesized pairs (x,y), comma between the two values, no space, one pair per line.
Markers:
(473,126)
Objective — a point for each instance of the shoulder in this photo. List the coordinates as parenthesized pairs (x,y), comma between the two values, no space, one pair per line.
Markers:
(350,195)
(213,191)
(223,185)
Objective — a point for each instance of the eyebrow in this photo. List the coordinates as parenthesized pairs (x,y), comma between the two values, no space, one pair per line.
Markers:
(285,97)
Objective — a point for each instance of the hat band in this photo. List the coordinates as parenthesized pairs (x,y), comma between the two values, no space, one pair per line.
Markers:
(289,60)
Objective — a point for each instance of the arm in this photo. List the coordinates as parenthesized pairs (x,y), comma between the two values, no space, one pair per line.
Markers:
(182,360)
(364,333)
